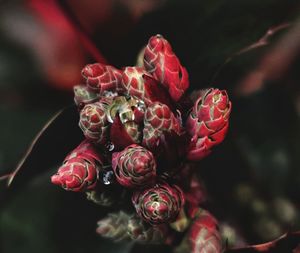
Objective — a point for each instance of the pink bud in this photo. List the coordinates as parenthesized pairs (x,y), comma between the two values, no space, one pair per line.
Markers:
(80,169)
(101,78)
(159,119)
(203,235)
(93,121)
(159,204)
(208,122)
(135,166)
(163,64)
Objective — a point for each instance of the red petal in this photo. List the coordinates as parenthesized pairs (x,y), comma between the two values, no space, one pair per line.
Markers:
(118,135)
(216,124)
(155,92)
(204,130)
(219,136)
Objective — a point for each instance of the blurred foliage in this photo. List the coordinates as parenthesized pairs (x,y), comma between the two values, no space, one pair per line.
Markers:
(253,178)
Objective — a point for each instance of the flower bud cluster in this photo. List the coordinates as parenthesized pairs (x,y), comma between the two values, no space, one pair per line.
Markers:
(139,138)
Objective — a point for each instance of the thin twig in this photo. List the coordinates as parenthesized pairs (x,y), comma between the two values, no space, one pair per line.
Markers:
(274,64)
(263,41)
(11,176)
(5,177)
(282,244)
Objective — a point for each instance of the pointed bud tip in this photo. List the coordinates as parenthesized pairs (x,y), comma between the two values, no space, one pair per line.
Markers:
(156,40)
(55,179)
(87,71)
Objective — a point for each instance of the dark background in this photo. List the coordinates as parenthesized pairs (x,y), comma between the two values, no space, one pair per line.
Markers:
(252,179)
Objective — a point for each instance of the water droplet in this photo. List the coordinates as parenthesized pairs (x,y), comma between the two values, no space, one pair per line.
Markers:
(108,177)
(140,105)
(110,146)
(110,94)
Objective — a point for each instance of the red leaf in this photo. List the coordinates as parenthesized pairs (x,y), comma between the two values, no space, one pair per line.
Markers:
(287,243)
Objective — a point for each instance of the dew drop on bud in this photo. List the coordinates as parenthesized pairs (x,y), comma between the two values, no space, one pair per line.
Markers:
(110,146)
(140,105)
(110,94)
(108,177)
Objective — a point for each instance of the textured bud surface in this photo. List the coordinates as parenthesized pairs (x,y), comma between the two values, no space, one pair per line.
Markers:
(76,175)
(80,169)
(158,119)
(159,204)
(140,84)
(93,121)
(101,78)
(134,167)
(208,122)
(204,236)
(163,64)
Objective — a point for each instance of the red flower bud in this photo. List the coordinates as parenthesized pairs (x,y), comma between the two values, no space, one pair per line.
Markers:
(208,122)
(83,95)
(101,78)
(163,64)
(158,120)
(203,235)
(134,167)
(93,121)
(159,204)
(80,169)
(140,84)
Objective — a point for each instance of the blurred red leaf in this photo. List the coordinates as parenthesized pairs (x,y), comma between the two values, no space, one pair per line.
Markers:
(275,63)
(287,243)
(60,45)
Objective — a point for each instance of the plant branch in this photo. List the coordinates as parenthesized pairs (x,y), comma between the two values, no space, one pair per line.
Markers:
(263,41)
